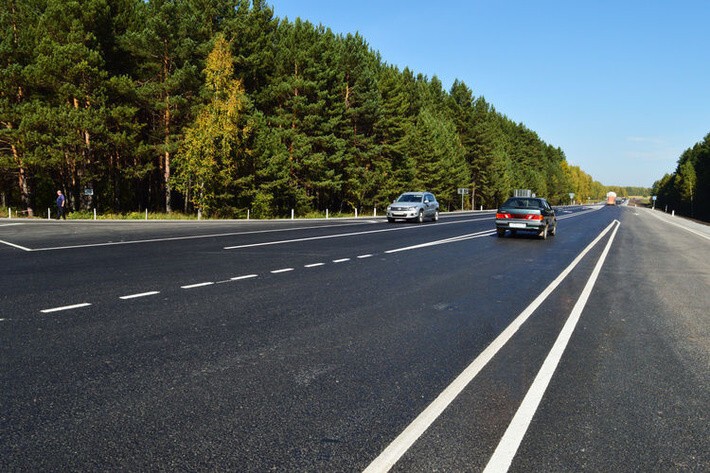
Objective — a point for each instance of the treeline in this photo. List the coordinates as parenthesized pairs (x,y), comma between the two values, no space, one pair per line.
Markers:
(687,190)
(220,106)
(631,191)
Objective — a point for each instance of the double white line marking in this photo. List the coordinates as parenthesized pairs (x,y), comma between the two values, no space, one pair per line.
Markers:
(508,446)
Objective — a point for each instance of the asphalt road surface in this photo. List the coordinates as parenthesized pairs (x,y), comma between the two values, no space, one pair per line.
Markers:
(356,345)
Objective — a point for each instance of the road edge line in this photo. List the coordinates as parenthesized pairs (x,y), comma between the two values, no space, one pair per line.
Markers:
(664,220)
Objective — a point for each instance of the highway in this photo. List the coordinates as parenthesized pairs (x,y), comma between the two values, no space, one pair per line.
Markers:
(356,345)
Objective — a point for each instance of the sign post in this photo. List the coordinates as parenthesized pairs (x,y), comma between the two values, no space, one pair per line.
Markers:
(462,191)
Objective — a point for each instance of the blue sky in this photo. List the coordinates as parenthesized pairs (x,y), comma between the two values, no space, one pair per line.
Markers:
(623,86)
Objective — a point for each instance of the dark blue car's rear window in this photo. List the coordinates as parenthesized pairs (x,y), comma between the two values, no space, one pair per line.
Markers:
(521,203)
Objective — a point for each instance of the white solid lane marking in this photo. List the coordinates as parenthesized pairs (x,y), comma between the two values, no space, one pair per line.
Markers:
(321,237)
(663,219)
(66,307)
(578,214)
(444,241)
(341,260)
(284,270)
(314,265)
(411,434)
(188,237)
(508,446)
(142,294)
(201,284)
(15,246)
(342,235)
(248,276)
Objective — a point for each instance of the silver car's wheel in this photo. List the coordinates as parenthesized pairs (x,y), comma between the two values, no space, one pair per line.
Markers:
(420,217)
(436,216)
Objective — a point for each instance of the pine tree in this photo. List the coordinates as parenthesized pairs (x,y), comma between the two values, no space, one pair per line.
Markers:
(438,155)
(361,101)
(251,33)
(17,43)
(491,167)
(166,45)
(393,126)
(69,114)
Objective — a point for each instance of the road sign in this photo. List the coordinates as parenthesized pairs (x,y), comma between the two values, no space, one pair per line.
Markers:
(463,190)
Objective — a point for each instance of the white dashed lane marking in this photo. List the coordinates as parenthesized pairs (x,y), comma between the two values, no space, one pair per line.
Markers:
(248,276)
(66,307)
(142,294)
(201,284)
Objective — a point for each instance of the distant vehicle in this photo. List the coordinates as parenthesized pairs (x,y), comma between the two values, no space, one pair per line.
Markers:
(611,198)
(415,206)
(526,214)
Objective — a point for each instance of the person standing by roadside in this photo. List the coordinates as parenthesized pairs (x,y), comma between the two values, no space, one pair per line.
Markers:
(61,206)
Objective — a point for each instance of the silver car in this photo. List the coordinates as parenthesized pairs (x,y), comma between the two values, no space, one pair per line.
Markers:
(414,206)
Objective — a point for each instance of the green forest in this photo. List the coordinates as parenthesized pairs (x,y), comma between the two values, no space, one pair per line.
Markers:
(687,190)
(219,106)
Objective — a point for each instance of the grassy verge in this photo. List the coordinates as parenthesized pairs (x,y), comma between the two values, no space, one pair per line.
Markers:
(89,215)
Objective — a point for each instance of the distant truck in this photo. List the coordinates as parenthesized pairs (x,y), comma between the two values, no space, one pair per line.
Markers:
(611,198)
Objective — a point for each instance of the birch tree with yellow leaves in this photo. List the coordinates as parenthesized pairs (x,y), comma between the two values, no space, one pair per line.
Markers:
(214,160)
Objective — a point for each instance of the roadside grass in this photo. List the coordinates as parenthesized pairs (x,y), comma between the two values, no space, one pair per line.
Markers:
(177,216)
(89,215)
